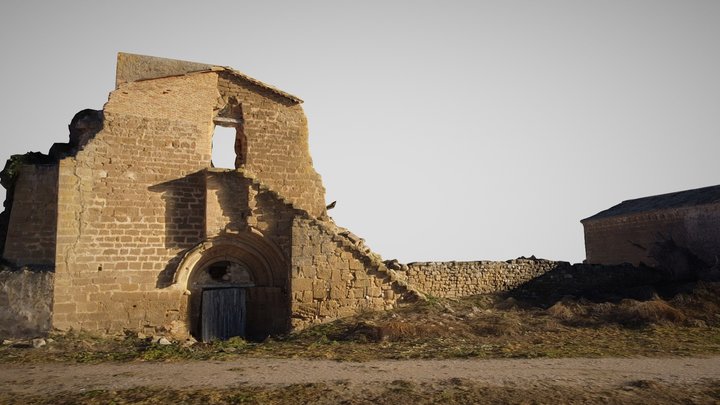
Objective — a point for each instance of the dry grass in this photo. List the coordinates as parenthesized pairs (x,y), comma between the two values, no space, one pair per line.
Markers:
(628,312)
(453,391)
(657,311)
(485,326)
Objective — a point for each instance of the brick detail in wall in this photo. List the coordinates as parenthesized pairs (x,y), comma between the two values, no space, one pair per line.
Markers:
(277,150)
(131,202)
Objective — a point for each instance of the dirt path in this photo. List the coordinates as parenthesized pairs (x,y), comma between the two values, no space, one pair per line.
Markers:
(52,377)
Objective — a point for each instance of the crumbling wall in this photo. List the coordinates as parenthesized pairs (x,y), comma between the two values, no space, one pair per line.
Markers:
(25,303)
(131,202)
(33,219)
(277,151)
(142,193)
(537,276)
(332,277)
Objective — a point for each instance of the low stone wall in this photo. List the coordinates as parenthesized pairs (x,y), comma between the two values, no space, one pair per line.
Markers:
(25,303)
(532,276)
(461,279)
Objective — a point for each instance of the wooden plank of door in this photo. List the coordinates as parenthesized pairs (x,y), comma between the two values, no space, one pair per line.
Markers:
(223,314)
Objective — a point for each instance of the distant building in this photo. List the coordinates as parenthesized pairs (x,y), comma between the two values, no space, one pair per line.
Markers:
(628,231)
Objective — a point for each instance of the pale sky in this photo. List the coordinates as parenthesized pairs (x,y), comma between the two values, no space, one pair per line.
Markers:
(446,130)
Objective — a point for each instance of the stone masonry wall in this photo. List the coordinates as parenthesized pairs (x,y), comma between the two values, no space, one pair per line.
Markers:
(33,219)
(25,303)
(131,203)
(626,238)
(277,150)
(330,279)
(273,218)
(227,202)
(236,202)
(460,279)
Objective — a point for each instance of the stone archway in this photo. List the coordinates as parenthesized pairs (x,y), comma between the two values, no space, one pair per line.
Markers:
(218,299)
(246,262)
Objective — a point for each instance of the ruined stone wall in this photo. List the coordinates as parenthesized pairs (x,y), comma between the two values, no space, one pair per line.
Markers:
(131,203)
(25,303)
(623,239)
(33,219)
(277,150)
(537,276)
(462,279)
(331,279)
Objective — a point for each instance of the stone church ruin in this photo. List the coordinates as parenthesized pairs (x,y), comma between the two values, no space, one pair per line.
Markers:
(143,233)
(129,226)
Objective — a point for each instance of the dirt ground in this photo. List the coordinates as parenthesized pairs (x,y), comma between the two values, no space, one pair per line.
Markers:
(590,375)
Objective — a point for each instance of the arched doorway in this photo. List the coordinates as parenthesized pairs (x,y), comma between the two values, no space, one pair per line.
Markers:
(237,286)
(220,290)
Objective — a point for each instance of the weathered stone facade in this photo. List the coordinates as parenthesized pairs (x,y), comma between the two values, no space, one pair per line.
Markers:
(135,219)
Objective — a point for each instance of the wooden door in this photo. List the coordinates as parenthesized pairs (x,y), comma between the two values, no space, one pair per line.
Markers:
(222,314)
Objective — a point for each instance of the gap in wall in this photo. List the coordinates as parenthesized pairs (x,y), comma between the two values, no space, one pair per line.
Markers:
(223,147)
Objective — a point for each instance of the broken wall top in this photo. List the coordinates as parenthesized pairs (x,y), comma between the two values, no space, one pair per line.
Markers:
(133,67)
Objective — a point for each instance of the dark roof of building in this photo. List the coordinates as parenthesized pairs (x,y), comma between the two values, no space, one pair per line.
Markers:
(687,198)
(132,67)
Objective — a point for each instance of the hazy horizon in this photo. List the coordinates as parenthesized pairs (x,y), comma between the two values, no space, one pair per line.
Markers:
(446,131)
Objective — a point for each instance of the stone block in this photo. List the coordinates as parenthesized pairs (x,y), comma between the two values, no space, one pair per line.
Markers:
(320,290)
(302,284)
(338,292)
(362,283)
(323,272)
